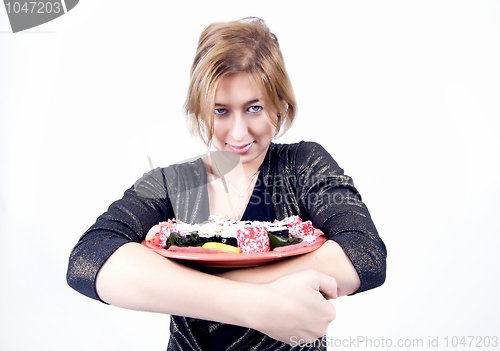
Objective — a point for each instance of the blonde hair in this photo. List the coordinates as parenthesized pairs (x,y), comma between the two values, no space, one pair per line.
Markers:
(243,46)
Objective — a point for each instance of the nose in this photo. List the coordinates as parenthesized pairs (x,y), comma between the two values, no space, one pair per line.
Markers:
(239,127)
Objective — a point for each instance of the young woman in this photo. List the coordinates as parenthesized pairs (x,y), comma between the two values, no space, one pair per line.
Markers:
(240,98)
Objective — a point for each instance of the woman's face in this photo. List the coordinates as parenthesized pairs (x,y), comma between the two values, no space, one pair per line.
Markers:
(241,121)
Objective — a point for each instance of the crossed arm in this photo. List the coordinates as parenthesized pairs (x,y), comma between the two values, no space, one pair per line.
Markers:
(136,278)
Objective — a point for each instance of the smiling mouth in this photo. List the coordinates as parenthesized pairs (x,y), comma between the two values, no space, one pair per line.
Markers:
(240,149)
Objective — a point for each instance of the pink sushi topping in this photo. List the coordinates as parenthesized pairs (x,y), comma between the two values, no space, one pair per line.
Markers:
(253,239)
(305,231)
(293,221)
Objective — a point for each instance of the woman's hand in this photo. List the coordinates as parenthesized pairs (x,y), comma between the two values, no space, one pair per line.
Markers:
(329,259)
(296,306)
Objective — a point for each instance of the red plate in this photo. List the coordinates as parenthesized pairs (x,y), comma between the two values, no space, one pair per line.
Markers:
(238,260)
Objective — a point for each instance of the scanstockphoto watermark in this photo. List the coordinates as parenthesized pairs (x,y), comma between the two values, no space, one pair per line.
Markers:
(469,341)
(357,342)
(309,190)
(337,194)
(28,14)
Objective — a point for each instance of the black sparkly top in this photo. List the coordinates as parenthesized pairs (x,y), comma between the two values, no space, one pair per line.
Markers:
(295,179)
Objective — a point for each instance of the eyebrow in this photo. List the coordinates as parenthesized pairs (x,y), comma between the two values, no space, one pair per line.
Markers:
(247,103)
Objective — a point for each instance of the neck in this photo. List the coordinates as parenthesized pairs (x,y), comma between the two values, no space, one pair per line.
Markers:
(229,166)
(238,173)
(230,183)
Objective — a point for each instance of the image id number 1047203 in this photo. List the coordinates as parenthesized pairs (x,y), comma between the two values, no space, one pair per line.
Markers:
(470,341)
(33,7)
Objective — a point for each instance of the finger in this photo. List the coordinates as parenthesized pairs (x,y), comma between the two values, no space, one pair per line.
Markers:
(327,285)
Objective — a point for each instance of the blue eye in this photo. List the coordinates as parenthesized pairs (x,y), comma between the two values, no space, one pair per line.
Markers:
(220,112)
(255,109)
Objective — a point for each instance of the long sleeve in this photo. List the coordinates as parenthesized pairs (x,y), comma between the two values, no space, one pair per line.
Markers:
(305,180)
(126,220)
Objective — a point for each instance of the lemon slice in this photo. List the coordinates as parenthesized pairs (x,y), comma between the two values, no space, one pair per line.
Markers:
(219,247)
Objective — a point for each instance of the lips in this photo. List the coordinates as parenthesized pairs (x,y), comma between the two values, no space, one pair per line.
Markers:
(240,150)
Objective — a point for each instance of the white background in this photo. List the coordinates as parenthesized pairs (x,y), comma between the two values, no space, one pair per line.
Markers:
(404,95)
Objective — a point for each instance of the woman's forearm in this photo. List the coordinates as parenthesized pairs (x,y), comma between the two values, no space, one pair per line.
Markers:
(329,259)
(136,278)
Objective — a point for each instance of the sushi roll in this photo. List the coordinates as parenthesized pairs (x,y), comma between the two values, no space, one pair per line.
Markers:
(209,232)
(253,239)
(227,234)
(305,231)
(279,229)
(247,236)
(291,221)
